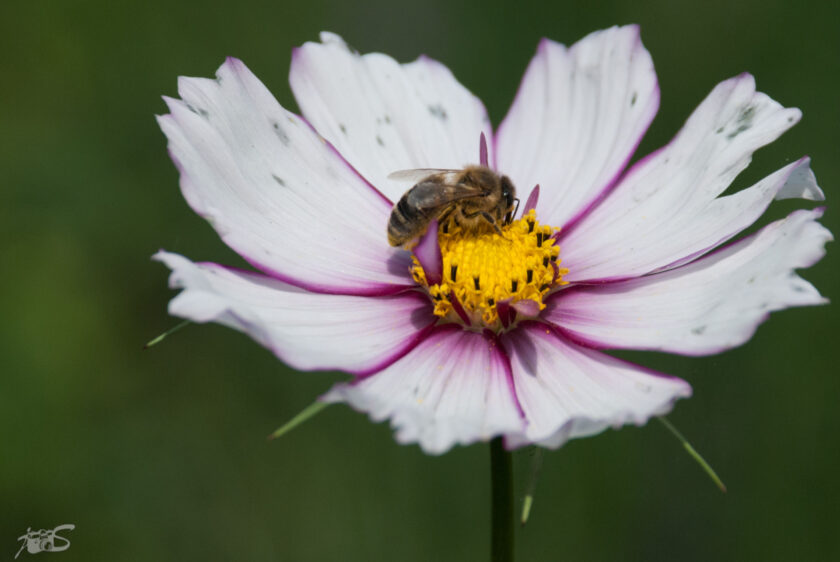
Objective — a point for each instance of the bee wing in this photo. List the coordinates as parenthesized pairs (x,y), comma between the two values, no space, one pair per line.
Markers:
(416,174)
(429,195)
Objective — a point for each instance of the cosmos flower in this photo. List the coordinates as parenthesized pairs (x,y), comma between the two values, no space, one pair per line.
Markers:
(477,334)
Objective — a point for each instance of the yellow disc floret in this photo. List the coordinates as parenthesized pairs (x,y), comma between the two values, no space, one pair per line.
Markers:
(482,268)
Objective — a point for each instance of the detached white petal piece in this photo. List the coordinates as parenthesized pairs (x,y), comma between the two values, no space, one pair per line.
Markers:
(666,210)
(578,117)
(708,306)
(309,331)
(384,116)
(453,388)
(567,391)
(275,191)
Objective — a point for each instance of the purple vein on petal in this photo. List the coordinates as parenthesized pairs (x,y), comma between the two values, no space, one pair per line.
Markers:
(496,342)
(419,338)
(482,150)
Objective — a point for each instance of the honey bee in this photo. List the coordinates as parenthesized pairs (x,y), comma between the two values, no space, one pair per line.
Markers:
(470,197)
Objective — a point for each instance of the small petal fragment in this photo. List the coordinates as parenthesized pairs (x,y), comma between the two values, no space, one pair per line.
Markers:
(666,210)
(427,252)
(567,391)
(708,306)
(275,191)
(309,331)
(578,117)
(385,116)
(453,388)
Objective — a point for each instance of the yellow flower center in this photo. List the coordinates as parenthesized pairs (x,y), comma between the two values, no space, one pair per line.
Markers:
(482,269)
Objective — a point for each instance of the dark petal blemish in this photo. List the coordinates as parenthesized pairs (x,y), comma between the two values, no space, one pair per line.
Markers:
(438,111)
(281,134)
(744,122)
(379,141)
(279,180)
(343,128)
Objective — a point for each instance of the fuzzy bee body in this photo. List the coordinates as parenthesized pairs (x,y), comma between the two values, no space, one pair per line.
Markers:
(470,197)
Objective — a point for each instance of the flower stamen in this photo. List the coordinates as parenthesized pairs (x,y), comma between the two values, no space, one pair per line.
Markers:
(489,268)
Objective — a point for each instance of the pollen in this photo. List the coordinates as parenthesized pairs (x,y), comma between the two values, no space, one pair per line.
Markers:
(485,272)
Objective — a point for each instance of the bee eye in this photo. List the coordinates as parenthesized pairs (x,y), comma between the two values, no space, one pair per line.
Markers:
(508,191)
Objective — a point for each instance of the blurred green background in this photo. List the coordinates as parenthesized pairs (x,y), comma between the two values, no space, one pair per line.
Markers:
(161,455)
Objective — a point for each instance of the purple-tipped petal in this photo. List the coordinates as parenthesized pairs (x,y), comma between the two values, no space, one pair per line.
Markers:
(710,305)
(667,210)
(427,252)
(506,313)
(533,198)
(275,191)
(459,309)
(482,150)
(453,388)
(527,307)
(578,117)
(385,116)
(309,331)
(567,391)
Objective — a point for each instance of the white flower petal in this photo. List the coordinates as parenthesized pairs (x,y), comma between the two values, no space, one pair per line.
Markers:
(453,388)
(306,330)
(666,210)
(578,117)
(707,306)
(275,191)
(567,391)
(384,116)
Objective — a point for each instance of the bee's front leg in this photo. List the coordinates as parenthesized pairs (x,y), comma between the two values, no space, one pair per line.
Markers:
(488,217)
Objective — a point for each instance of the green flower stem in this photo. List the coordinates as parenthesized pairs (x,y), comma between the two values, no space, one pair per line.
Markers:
(501,477)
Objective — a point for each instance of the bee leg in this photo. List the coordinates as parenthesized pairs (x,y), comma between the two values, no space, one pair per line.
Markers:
(443,219)
(509,216)
(489,218)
